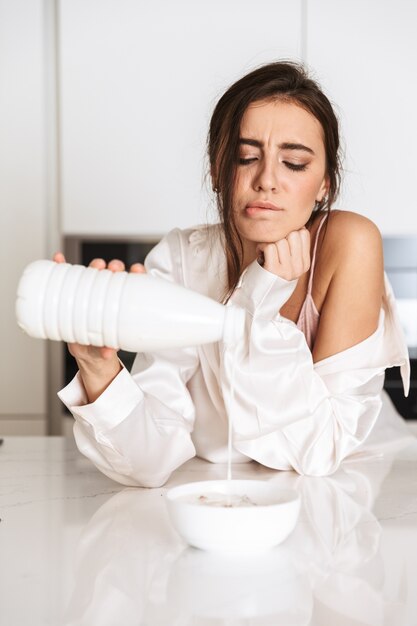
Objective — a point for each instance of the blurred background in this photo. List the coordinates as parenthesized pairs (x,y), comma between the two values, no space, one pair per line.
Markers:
(104,109)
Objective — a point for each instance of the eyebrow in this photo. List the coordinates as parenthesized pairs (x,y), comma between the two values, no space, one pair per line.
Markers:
(283,146)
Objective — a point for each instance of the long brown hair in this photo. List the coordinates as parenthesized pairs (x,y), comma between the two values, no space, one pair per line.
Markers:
(280,80)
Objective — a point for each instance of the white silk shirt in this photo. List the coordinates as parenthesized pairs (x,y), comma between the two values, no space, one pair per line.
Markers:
(287,412)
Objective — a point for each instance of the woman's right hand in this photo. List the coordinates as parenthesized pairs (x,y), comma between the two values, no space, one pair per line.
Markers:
(98,365)
(289,257)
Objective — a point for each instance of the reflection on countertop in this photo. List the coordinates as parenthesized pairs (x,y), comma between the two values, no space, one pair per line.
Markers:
(82,550)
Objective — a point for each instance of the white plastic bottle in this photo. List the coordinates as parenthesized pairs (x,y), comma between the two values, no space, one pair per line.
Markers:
(134,312)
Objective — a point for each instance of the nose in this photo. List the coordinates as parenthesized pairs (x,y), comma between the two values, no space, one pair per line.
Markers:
(266,176)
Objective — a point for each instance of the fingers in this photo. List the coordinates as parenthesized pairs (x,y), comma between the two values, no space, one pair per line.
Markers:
(288,258)
(260,256)
(98,264)
(284,252)
(305,243)
(299,249)
(89,353)
(107,353)
(58,257)
(115,265)
(268,252)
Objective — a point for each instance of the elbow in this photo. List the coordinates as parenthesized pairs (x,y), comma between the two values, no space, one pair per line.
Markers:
(153,481)
(327,445)
(148,481)
(317,466)
(317,469)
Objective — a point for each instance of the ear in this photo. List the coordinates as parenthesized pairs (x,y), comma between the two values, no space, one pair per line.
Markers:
(324,189)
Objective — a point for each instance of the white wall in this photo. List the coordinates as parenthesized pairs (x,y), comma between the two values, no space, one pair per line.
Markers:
(139,80)
(22,207)
(365,54)
(138,83)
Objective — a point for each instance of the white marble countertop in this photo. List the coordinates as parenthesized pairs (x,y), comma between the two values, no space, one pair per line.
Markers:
(79,549)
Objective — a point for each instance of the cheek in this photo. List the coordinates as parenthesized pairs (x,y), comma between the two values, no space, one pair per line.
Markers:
(242,180)
(240,189)
(299,221)
(306,188)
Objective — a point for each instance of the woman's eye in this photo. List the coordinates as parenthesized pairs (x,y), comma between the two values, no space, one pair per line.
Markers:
(296,167)
(246,161)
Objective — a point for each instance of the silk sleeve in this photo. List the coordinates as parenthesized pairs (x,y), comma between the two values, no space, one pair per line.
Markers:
(139,429)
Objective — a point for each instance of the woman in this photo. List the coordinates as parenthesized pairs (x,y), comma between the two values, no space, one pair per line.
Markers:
(321,326)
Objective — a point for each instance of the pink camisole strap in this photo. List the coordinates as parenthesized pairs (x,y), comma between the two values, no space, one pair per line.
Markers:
(309,317)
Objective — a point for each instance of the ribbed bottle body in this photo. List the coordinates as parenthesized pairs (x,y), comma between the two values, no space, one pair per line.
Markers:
(134,312)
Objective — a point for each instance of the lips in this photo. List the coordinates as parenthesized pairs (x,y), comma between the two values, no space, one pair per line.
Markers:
(259,206)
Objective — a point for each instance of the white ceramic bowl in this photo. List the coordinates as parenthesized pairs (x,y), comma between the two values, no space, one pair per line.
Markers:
(241,529)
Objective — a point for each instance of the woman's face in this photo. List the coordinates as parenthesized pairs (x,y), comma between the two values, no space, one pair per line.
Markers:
(282,161)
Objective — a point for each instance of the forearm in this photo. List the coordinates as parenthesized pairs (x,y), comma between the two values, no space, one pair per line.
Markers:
(289,411)
(286,414)
(138,429)
(136,452)
(97,375)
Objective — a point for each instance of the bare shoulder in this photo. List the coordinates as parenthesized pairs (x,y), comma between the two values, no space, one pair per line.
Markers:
(353,256)
(346,228)
(352,239)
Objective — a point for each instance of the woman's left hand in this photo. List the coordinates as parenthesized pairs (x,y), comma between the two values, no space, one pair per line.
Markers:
(288,258)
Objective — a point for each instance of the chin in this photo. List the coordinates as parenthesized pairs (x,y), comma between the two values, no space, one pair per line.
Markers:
(263,234)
